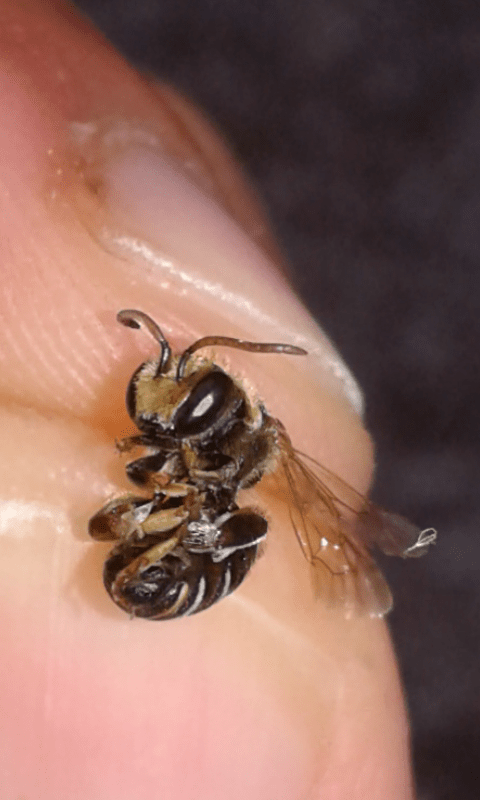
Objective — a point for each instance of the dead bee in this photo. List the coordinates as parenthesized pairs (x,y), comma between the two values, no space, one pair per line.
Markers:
(188,544)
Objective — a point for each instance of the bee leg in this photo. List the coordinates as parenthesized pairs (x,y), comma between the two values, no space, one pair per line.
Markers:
(164,520)
(241,529)
(120,518)
(129,442)
(142,470)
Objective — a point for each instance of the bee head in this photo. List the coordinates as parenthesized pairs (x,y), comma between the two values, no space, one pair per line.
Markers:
(200,403)
(170,400)
(181,400)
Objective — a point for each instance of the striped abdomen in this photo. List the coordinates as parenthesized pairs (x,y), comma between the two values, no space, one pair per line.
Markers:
(179,584)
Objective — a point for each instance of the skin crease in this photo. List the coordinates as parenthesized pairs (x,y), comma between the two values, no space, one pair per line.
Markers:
(267,695)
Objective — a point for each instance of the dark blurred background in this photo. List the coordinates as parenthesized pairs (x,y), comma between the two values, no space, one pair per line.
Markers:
(360,122)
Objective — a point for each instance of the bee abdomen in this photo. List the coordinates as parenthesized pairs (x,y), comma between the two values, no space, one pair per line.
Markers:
(217,580)
(180,584)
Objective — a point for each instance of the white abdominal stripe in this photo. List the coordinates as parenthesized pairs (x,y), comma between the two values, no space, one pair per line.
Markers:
(224,552)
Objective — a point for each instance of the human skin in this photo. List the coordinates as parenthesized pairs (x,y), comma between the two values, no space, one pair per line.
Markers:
(267,695)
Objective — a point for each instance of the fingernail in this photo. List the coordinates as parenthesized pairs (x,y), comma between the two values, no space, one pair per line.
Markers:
(159,216)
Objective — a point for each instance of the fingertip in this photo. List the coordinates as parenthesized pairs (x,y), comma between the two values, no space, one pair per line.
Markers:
(127,213)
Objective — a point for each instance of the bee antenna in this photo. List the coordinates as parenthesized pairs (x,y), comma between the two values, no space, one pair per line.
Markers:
(239,344)
(138,319)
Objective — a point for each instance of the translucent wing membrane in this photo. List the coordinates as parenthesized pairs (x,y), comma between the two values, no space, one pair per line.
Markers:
(337,527)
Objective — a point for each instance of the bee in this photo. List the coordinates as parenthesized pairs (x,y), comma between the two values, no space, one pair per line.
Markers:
(187,543)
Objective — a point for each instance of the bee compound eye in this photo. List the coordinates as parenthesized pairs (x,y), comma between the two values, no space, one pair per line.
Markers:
(131,395)
(205,404)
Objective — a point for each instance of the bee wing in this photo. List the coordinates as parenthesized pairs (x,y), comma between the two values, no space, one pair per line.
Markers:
(337,527)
